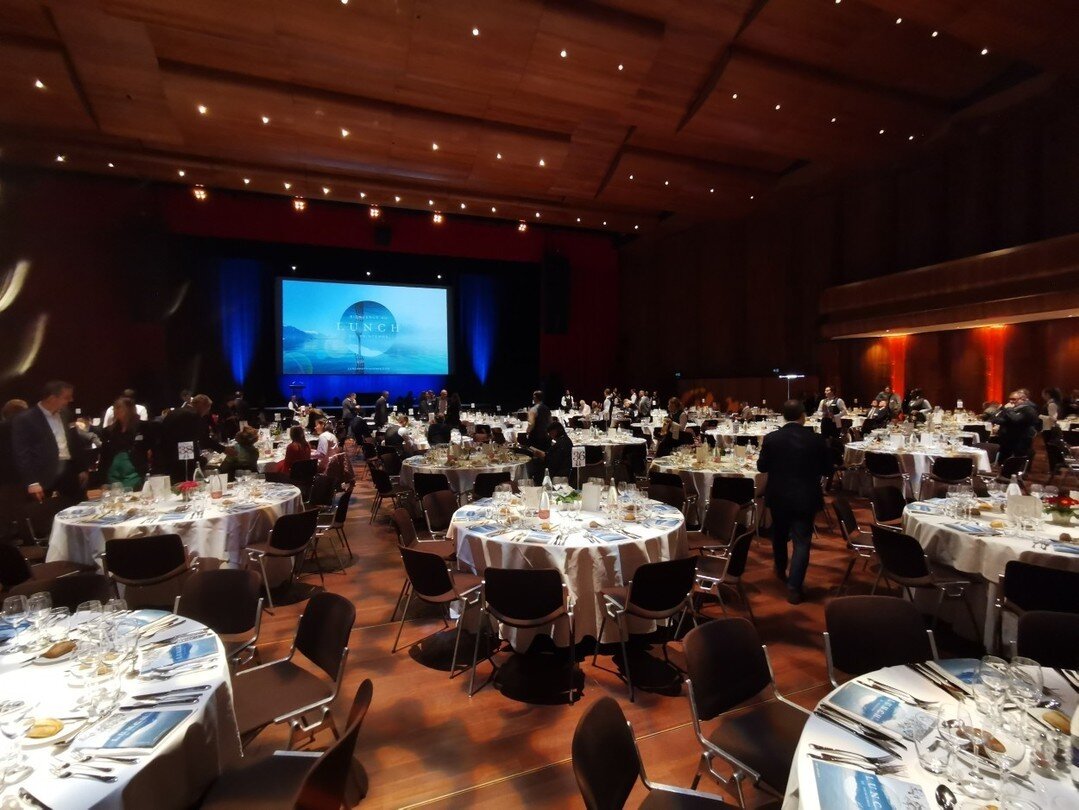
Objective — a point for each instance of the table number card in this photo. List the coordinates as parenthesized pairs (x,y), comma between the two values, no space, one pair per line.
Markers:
(577,457)
(185,451)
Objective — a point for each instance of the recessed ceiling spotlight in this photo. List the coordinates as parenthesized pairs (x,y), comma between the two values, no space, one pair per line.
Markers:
(522,226)
(563,53)
(265,119)
(541,162)
(910,137)
(287,186)
(344,132)
(368,272)
(985,51)
(437,219)
(631,177)
(344,2)
(40,85)
(777,106)
(181,172)
(711,191)
(293,267)
(396,198)
(430,202)
(935,34)
(112,165)
(537,215)
(463,206)
(621,67)
(434,147)
(734,96)
(475,33)
(752,197)
(199,193)
(881,132)
(62,158)
(636,227)
(898,20)
(247,181)
(203,109)
(300,204)
(578,219)
(375,212)
(666,182)
(833,120)
(605,223)
(325,189)
(439,276)
(363,195)
(494,210)
(498,156)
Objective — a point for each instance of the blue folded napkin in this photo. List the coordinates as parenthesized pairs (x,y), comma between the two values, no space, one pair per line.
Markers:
(1067,548)
(922,508)
(664,523)
(609,537)
(107,520)
(971,528)
(486,528)
(542,537)
(484,502)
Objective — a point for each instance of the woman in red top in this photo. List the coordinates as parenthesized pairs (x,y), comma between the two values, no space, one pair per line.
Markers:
(297,450)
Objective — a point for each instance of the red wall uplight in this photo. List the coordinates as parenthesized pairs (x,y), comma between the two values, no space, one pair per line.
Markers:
(897,355)
(993,337)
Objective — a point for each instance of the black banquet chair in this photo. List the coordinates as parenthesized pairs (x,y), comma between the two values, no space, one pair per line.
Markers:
(607,764)
(1050,638)
(1025,587)
(229,602)
(151,569)
(290,541)
(867,633)
(72,590)
(282,691)
(859,544)
(886,467)
(525,599)
(727,666)
(299,779)
(658,592)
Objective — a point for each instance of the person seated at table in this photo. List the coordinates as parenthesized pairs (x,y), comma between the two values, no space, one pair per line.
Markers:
(298,449)
(125,446)
(246,456)
(557,459)
(891,398)
(327,442)
(439,432)
(398,437)
(880,414)
(586,411)
(918,407)
(1018,423)
(989,410)
(747,412)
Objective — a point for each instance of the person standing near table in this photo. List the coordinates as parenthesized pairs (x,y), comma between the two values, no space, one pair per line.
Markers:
(891,398)
(557,459)
(453,411)
(795,460)
(49,455)
(567,401)
(126,446)
(644,405)
(382,415)
(832,407)
(1018,423)
(443,402)
(348,409)
(327,442)
(191,423)
(918,407)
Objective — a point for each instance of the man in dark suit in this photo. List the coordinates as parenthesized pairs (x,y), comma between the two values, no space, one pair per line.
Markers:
(191,423)
(50,458)
(1018,423)
(348,409)
(795,459)
(382,415)
(539,419)
(439,432)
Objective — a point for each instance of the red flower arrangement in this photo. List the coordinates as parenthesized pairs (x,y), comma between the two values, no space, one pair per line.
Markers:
(1060,504)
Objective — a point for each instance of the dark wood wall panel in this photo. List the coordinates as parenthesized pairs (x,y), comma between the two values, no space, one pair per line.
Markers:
(989,184)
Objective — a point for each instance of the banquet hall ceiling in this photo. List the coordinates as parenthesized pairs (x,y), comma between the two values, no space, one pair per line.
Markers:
(610,114)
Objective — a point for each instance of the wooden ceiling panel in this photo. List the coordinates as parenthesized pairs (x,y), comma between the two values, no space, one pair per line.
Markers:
(445,52)
(124,79)
(859,40)
(116,66)
(57,105)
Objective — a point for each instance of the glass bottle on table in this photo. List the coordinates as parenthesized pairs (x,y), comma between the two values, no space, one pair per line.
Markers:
(544,512)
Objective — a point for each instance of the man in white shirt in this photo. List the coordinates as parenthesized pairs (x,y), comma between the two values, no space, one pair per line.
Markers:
(832,407)
(143,414)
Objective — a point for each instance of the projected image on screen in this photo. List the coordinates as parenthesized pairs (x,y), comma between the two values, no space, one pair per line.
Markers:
(330,327)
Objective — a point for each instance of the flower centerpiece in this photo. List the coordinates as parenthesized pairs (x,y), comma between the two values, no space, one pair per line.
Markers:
(1060,509)
(185,489)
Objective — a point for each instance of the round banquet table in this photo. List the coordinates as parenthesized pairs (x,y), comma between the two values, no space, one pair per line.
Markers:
(219,528)
(972,546)
(916,461)
(726,437)
(173,773)
(817,785)
(462,476)
(613,443)
(588,559)
(700,476)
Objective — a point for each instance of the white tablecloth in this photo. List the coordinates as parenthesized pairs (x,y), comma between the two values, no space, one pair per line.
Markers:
(725,436)
(586,565)
(181,767)
(701,477)
(462,479)
(915,462)
(984,558)
(802,790)
(225,529)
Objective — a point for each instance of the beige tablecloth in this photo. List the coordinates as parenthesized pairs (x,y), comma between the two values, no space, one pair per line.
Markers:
(462,479)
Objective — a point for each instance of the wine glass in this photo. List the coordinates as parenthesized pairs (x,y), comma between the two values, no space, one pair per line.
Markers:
(37,609)
(978,735)
(15,723)
(1006,751)
(1026,683)
(15,610)
(992,684)
(952,721)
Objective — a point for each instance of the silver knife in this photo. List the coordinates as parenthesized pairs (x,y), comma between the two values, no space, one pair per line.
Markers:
(32,800)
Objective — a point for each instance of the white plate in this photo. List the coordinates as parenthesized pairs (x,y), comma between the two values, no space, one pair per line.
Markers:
(44,662)
(70,729)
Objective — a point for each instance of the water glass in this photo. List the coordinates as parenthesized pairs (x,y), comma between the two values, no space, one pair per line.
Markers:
(952,721)
(15,610)
(992,684)
(933,750)
(37,609)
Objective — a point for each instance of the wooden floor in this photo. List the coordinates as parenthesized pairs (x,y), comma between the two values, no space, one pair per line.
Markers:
(427,744)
